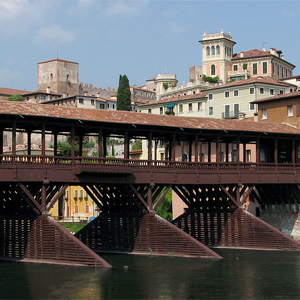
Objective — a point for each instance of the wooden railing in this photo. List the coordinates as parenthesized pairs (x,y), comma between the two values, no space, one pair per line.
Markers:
(112,163)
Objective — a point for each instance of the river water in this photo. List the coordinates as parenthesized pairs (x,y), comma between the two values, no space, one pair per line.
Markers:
(242,274)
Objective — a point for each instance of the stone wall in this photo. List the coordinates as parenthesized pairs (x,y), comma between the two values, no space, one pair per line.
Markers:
(89,89)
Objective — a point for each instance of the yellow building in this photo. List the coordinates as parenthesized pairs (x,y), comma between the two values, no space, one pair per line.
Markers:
(75,205)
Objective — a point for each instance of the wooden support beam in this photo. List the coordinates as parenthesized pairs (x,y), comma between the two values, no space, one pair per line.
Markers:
(57,196)
(150,146)
(100,143)
(139,196)
(126,145)
(161,198)
(29,142)
(229,196)
(28,194)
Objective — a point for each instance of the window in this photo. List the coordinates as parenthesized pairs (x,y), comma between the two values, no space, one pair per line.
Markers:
(218,50)
(92,102)
(227,111)
(102,106)
(199,106)
(265,67)
(248,155)
(271,91)
(213,52)
(226,94)
(251,106)
(207,51)
(161,110)
(235,67)
(149,110)
(261,90)
(81,194)
(255,68)
(180,108)
(281,92)
(76,209)
(81,101)
(87,209)
(235,93)
(213,70)
(76,194)
(290,110)
(264,114)
(190,106)
(42,97)
(211,111)
(210,96)
(251,91)
(236,108)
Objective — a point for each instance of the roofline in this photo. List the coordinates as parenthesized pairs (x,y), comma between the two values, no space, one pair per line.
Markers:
(58,59)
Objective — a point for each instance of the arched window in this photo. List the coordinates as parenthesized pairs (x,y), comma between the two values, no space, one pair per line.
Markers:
(218,50)
(207,51)
(213,70)
(213,51)
(185,157)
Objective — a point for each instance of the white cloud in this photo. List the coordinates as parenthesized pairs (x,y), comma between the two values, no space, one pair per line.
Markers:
(19,16)
(53,34)
(125,8)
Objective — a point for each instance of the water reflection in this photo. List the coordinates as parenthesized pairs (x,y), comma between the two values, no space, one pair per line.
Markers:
(241,275)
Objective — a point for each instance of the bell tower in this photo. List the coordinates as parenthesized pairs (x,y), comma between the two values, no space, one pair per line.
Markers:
(217,51)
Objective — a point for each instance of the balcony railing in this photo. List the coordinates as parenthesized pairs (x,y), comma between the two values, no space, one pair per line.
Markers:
(230,115)
(82,164)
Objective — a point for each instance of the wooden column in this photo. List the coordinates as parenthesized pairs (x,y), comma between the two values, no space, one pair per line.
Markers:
(218,149)
(173,145)
(73,141)
(149,198)
(150,146)
(238,149)
(126,145)
(257,150)
(43,196)
(14,138)
(196,148)
(55,143)
(227,152)
(293,151)
(29,142)
(1,140)
(104,145)
(209,151)
(80,145)
(166,150)
(100,143)
(190,150)
(155,149)
(43,139)
(276,150)
(244,152)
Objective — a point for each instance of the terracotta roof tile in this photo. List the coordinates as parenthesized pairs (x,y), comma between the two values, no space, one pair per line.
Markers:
(141,119)
(178,98)
(252,80)
(9,92)
(279,97)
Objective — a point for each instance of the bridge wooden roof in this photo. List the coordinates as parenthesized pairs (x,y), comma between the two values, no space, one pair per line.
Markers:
(69,114)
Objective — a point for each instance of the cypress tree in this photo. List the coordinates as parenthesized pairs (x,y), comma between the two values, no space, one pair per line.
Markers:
(124,94)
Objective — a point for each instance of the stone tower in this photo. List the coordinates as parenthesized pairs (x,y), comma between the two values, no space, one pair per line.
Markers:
(217,52)
(61,76)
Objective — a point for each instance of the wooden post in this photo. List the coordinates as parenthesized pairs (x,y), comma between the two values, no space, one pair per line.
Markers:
(276,150)
(257,150)
(244,152)
(190,150)
(218,149)
(43,139)
(100,143)
(55,143)
(150,146)
(227,152)
(1,140)
(104,146)
(209,151)
(126,145)
(149,198)
(293,152)
(29,142)
(14,138)
(73,142)
(173,143)
(196,148)
(238,149)
(80,145)
(43,195)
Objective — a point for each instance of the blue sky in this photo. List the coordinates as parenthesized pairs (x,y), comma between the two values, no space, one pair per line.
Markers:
(139,38)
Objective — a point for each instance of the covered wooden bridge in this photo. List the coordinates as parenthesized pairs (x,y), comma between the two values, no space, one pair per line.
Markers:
(214,185)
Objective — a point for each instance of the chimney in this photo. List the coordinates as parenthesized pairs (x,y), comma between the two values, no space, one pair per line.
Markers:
(85,93)
(98,95)
(64,95)
(48,90)
(242,54)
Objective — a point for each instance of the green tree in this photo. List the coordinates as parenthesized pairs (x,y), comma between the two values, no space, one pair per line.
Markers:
(165,208)
(124,94)
(15,97)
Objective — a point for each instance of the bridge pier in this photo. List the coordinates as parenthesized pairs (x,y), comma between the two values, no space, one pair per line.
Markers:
(146,234)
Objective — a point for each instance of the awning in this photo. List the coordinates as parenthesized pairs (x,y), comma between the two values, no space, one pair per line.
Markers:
(170,105)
